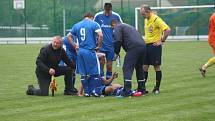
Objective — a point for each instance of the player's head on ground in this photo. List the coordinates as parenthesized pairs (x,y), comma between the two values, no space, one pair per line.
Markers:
(145,10)
(88,15)
(114,22)
(56,42)
(107,9)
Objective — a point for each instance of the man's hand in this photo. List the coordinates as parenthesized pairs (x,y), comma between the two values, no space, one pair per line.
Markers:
(166,33)
(115,75)
(158,43)
(76,48)
(51,71)
(97,49)
(115,57)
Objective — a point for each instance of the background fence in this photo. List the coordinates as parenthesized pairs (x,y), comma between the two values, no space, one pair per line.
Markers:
(186,22)
(45,18)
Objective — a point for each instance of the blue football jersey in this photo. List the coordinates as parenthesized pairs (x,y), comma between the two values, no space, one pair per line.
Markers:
(68,46)
(86,33)
(105,23)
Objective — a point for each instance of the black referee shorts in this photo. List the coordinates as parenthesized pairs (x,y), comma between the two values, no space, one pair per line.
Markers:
(153,55)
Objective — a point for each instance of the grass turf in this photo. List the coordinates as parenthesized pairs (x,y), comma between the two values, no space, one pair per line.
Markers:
(185,95)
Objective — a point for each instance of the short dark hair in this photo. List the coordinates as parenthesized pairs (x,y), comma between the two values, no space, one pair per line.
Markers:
(146,7)
(108,6)
(88,14)
(114,21)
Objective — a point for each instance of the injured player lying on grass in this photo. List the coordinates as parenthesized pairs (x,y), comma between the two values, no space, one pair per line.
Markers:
(105,87)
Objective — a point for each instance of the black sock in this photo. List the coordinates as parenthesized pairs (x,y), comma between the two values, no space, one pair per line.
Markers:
(146,75)
(127,89)
(73,79)
(158,79)
(127,85)
(141,85)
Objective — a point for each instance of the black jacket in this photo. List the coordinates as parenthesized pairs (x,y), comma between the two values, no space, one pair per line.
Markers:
(50,58)
(126,36)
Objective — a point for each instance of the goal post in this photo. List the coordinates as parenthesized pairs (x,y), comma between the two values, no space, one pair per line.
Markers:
(186,22)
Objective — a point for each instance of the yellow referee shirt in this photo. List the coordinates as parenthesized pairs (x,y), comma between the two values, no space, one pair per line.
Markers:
(154,28)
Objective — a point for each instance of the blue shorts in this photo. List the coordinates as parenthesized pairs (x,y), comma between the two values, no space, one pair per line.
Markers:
(100,90)
(72,56)
(87,62)
(118,91)
(109,53)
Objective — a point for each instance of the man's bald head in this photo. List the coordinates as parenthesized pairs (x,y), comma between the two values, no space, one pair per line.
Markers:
(56,42)
(145,10)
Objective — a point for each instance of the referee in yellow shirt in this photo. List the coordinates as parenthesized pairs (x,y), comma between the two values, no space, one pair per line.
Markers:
(156,32)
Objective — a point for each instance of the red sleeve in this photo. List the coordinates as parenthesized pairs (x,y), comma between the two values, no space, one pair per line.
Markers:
(211,31)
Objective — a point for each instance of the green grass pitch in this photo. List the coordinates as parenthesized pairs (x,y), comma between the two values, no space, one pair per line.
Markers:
(185,95)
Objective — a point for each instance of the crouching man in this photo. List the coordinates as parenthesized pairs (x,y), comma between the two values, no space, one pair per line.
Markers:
(131,41)
(47,66)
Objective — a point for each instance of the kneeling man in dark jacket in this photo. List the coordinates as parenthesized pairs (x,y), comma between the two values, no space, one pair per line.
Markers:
(47,66)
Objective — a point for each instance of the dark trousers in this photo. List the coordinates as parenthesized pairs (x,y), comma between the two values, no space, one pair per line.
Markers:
(134,60)
(45,79)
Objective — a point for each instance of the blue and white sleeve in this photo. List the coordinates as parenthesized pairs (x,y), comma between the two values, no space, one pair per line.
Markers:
(72,31)
(97,28)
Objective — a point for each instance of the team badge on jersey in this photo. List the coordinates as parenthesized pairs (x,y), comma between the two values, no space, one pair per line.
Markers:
(150,29)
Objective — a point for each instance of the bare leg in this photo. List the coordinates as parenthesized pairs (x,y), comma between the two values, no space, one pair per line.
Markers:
(109,69)
(80,91)
(110,89)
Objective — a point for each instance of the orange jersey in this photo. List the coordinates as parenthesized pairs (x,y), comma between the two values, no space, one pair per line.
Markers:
(211,31)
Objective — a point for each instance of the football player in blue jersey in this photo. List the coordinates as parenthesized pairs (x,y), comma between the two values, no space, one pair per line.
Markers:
(104,87)
(104,18)
(72,55)
(87,31)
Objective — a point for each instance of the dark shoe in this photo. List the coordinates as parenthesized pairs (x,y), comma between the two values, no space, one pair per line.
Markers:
(156,91)
(126,93)
(203,72)
(74,90)
(144,91)
(67,93)
(30,90)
